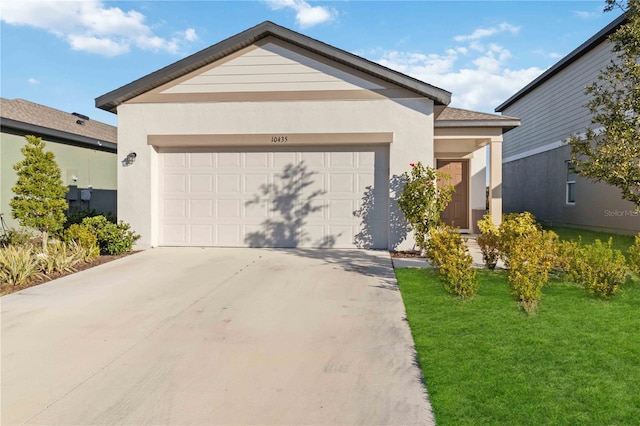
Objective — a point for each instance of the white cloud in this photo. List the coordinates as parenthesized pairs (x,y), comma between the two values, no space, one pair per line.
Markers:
(190,34)
(306,15)
(583,14)
(478,76)
(91,26)
(33,81)
(487,32)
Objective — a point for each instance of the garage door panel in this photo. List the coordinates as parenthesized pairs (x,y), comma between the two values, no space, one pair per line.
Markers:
(341,235)
(200,183)
(174,183)
(284,160)
(201,209)
(175,234)
(365,180)
(201,160)
(229,234)
(366,159)
(174,160)
(279,197)
(257,160)
(174,208)
(228,209)
(342,159)
(228,160)
(341,209)
(256,210)
(255,182)
(228,183)
(341,182)
(201,234)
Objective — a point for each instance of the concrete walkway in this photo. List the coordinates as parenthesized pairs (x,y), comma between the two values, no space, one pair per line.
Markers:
(214,336)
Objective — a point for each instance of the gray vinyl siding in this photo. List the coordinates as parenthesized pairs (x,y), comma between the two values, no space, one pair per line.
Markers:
(537,184)
(555,110)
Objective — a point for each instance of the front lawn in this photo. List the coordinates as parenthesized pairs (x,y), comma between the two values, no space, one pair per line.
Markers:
(576,360)
(620,242)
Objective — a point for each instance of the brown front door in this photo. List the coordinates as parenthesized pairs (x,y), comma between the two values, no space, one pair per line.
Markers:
(457,212)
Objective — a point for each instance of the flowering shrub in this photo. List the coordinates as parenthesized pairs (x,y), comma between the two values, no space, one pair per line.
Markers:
(425,195)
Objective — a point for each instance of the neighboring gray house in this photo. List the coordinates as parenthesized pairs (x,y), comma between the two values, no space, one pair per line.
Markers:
(84,149)
(272,138)
(536,174)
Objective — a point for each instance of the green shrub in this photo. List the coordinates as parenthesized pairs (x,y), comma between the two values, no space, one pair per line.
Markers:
(515,226)
(599,268)
(16,237)
(76,215)
(61,257)
(17,264)
(531,257)
(569,253)
(112,238)
(489,241)
(634,255)
(447,250)
(84,237)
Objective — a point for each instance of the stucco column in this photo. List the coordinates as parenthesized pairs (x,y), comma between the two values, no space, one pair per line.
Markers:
(495,180)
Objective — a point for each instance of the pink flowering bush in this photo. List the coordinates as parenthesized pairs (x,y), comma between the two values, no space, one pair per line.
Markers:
(425,195)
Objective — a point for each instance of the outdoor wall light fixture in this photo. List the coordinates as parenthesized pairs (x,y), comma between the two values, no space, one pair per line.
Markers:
(129,159)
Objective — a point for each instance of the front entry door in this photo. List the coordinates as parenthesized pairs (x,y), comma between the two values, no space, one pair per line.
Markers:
(457,212)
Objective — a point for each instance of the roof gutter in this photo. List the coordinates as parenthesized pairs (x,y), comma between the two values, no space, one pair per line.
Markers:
(56,135)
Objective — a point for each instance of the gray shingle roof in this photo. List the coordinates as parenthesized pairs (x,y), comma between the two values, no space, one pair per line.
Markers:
(30,113)
(457,117)
(111,100)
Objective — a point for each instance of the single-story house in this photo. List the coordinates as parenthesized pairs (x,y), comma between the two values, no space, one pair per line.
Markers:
(537,176)
(85,151)
(274,139)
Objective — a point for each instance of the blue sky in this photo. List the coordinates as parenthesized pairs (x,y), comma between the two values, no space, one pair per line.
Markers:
(64,54)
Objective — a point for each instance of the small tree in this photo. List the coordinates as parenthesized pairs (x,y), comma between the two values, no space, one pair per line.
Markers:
(425,195)
(39,193)
(613,155)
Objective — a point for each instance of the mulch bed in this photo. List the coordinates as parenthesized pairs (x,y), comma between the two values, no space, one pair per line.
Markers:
(407,254)
(42,278)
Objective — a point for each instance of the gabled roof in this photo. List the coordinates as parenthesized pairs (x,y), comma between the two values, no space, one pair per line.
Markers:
(581,50)
(31,118)
(457,117)
(111,100)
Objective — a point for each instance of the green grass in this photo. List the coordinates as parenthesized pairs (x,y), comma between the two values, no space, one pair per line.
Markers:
(576,360)
(620,242)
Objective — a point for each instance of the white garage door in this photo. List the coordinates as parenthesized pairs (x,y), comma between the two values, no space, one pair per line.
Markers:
(274,198)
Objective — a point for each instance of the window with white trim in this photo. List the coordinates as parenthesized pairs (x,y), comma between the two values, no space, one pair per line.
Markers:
(571,183)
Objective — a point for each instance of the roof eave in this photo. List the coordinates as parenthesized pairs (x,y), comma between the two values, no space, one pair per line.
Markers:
(28,128)
(585,47)
(506,124)
(111,100)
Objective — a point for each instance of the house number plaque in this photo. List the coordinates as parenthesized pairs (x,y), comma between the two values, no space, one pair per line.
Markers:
(278,139)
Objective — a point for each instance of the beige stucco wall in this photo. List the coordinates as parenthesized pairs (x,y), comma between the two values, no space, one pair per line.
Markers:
(93,168)
(410,120)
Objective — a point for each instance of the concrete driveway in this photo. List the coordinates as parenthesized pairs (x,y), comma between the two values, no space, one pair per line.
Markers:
(214,336)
